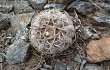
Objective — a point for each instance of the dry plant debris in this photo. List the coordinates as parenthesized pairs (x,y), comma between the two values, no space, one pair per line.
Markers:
(52,31)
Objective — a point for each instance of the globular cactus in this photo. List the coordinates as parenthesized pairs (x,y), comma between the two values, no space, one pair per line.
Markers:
(52,31)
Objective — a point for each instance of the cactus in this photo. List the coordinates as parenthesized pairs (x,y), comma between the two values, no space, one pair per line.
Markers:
(52,31)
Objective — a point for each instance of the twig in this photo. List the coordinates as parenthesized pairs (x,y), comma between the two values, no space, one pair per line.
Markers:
(95,5)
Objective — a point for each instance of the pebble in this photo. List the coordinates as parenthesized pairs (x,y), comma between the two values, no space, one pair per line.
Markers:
(54,6)
(37,4)
(92,67)
(70,67)
(98,50)
(104,6)
(77,58)
(102,19)
(64,2)
(17,52)
(82,7)
(86,33)
(20,21)
(22,7)
(60,65)
(6,7)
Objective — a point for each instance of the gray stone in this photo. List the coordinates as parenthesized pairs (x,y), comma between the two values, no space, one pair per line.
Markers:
(22,34)
(86,33)
(80,56)
(105,6)
(54,6)
(22,7)
(6,7)
(4,22)
(17,52)
(82,7)
(20,21)
(64,2)
(60,65)
(37,4)
(102,19)
(92,67)
(77,58)
(47,66)
(70,67)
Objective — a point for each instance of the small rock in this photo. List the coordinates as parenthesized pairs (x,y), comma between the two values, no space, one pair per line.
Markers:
(62,1)
(77,58)
(47,66)
(6,7)
(105,6)
(4,22)
(37,4)
(70,67)
(17,52)
(54,6)
(22,7)
(82,7)
(102,19)
(98,50)
(80,56)
(20,21)
(22,34)
(60,65)
(92,67)
(86,33)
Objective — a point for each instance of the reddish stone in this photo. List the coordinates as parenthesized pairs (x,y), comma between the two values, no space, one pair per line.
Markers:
(98,50)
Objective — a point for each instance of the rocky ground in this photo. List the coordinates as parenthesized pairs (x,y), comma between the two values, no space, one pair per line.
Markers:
(90,50)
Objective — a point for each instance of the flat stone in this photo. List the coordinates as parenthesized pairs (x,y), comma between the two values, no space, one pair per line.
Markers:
(54,6)
(60,65)
(86,33)
(98,50)
(17,52)
(64,2)
(37,4)
(77,58)
(104,6)
(102,19)
(6,7)
(70,67)
(20,21)
(22,7)
(81,6)
(92,67)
